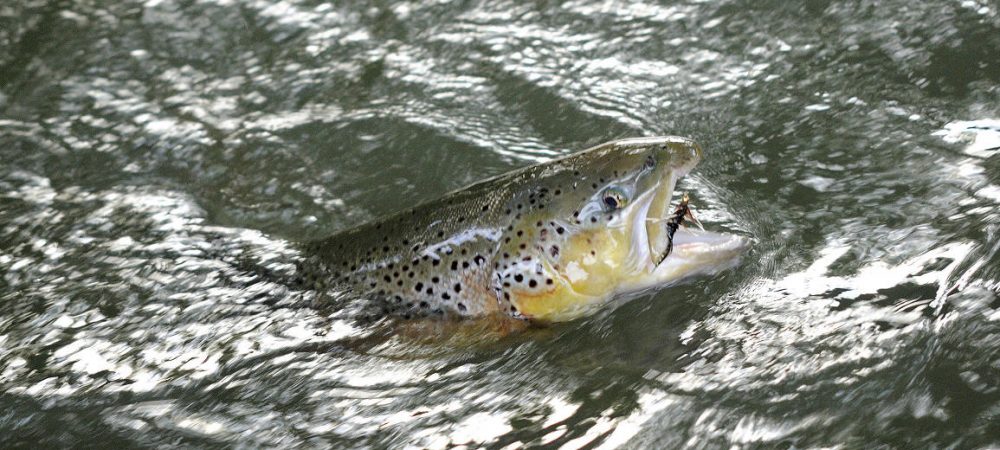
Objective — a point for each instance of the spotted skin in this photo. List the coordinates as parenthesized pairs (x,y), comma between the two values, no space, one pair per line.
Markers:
(485,249)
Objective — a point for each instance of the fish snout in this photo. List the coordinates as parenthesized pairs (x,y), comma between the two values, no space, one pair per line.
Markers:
(682,154)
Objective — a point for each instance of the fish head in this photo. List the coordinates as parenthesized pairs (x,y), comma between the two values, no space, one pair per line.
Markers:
(594,227)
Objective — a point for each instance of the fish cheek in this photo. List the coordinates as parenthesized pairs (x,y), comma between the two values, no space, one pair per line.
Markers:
(591,263)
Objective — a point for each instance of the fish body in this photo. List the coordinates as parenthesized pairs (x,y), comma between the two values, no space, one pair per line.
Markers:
(549,242)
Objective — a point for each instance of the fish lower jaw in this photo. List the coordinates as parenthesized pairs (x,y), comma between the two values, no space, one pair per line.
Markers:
(698,252)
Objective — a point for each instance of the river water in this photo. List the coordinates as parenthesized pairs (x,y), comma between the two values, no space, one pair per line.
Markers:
(158,157)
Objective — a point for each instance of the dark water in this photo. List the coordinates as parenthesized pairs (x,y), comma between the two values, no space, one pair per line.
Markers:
(156,157)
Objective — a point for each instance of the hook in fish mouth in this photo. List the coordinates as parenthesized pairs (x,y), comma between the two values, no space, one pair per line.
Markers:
(693,250)
(676,220)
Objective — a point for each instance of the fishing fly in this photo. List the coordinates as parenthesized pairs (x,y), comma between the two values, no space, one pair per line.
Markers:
(683,211)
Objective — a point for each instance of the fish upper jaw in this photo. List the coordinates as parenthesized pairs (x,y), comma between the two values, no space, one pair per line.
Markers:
(645,243)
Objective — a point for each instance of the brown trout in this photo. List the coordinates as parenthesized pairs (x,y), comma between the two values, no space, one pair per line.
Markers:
(550,242)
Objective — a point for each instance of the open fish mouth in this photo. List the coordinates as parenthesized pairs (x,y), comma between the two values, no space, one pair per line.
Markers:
(669,247)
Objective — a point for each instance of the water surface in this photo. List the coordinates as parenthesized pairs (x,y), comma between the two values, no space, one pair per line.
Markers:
(157,159)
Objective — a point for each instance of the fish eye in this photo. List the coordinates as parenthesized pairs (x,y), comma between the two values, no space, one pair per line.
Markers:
(614,198)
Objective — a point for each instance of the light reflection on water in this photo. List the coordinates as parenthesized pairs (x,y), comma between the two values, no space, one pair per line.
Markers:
(159,158)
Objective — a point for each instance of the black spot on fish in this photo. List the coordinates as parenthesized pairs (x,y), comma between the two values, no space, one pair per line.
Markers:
(454,265)
(532,283)
(461,307)
(430,291)
(445,296)
(560,230)
(593,219)
(436,262)
(424,305)
(465,264)
(458,287)
(486,207)
(518,278)
(419,286)
(435,279)
(548,281)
